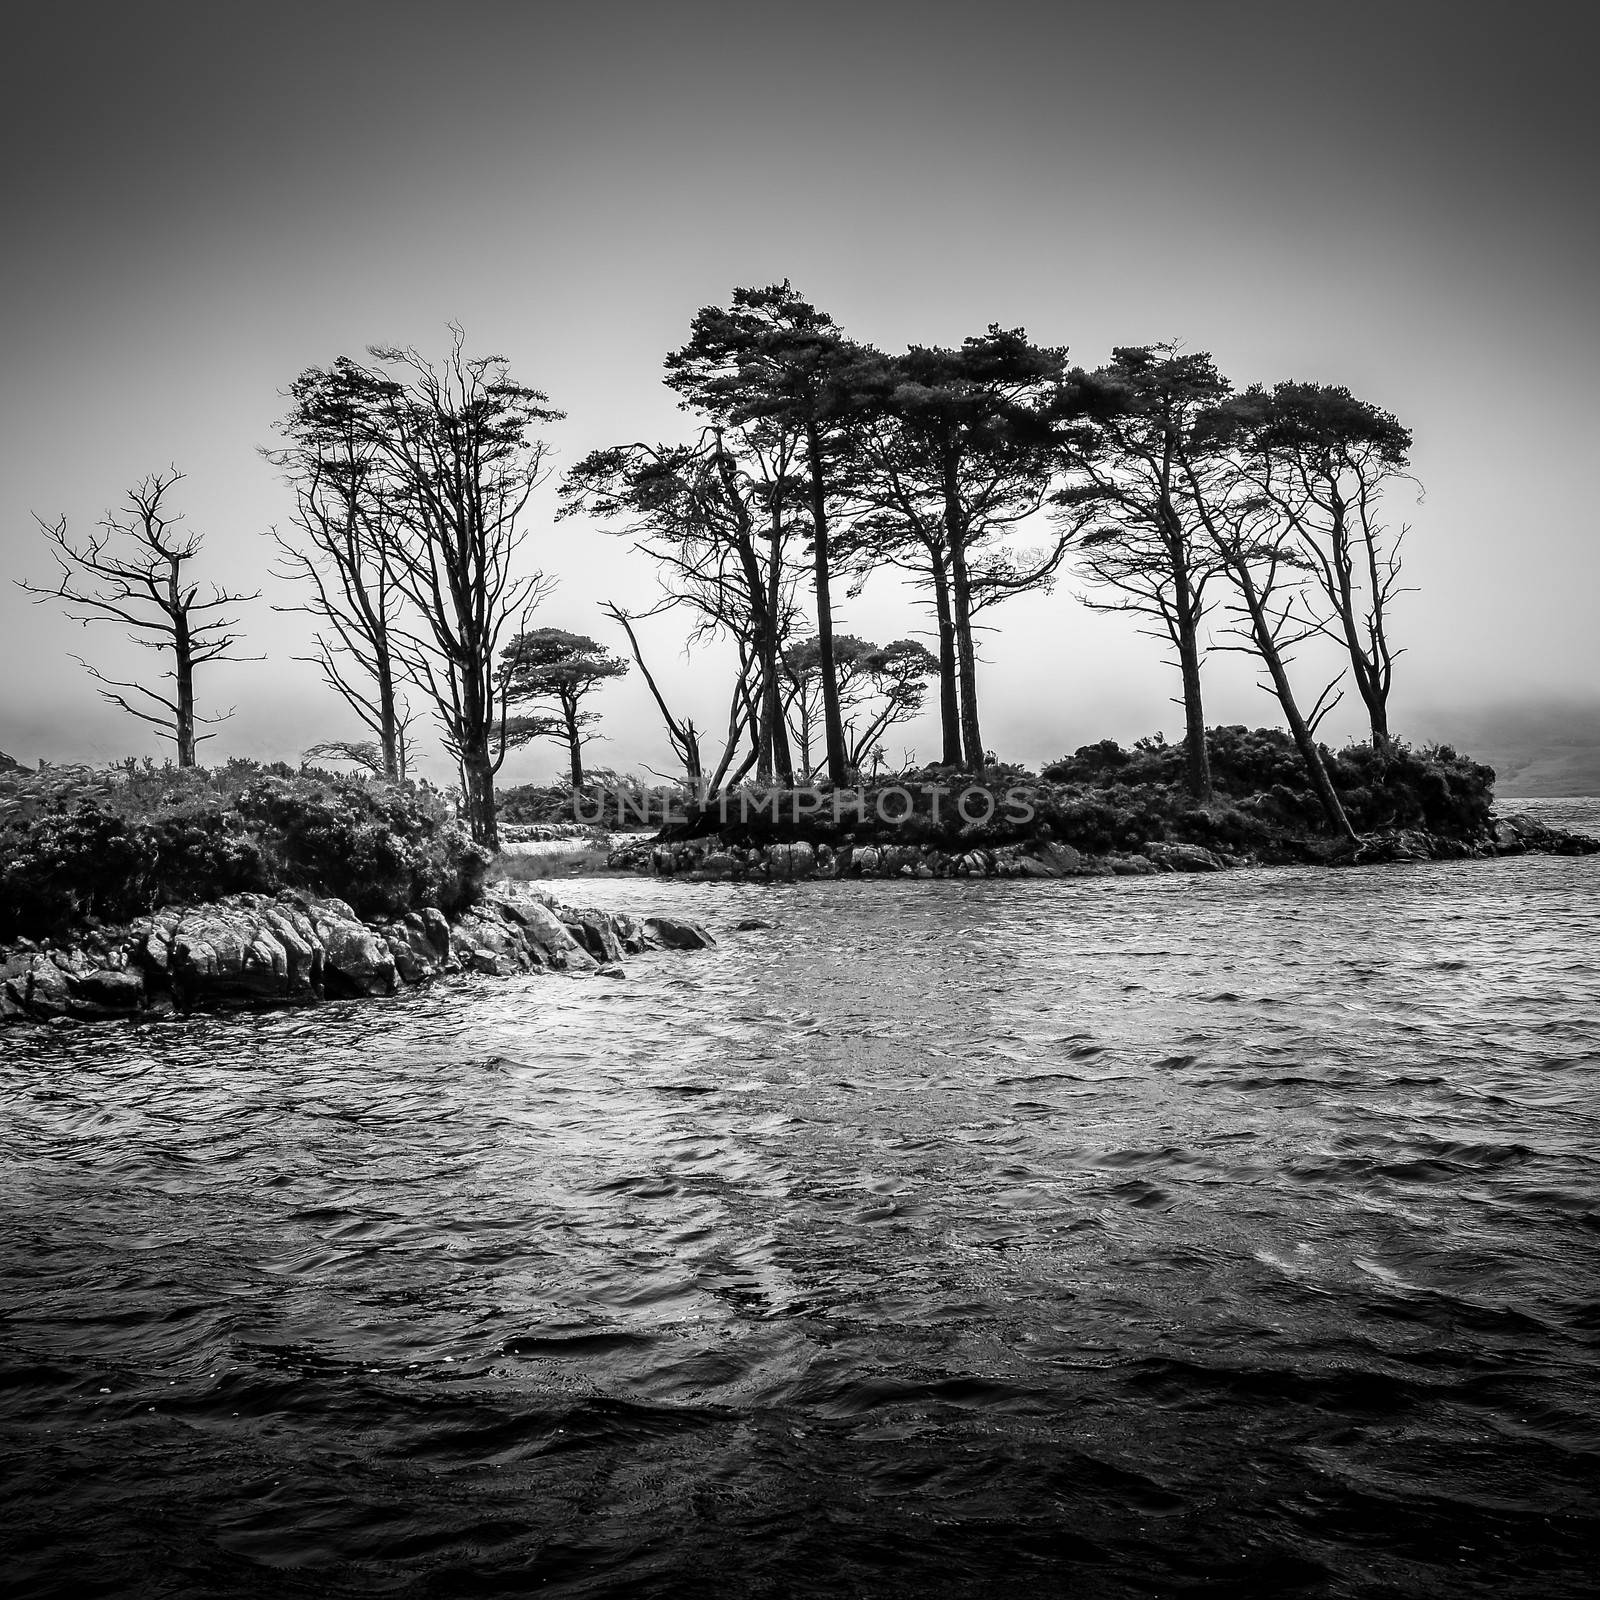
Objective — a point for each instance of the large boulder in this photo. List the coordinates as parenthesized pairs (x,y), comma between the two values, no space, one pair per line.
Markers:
(546,938)
(356,959)
(106,991)
(35,987)
(789,861)
(676,933)
(241,949)
(489,941)
(1170,857)
(418,951)
(596,931)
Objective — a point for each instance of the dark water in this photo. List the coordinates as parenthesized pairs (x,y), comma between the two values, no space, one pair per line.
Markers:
(1217,1236)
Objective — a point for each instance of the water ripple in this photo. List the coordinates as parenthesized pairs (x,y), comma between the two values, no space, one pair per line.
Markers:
(1225,1236)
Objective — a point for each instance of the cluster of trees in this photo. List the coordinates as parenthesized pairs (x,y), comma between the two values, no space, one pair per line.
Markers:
(1249,520)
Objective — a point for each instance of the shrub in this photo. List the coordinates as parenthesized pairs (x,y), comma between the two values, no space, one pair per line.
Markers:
(79,844)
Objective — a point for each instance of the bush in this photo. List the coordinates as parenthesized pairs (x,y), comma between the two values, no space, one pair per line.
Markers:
(80,844)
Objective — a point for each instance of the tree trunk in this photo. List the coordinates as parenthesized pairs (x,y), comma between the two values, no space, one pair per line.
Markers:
(388,720)
(949,688)
(477,775)
(184,673)
(832,722)
(955,535)
(1305,741)
(775,734)
(1197,758)
(1367,670)
(967,666)
(569,715)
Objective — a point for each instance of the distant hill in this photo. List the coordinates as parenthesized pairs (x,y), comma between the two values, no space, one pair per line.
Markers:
(1541,750)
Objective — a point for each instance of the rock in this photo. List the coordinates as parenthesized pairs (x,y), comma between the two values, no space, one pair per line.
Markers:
(610,970)
(1032,867)
(150,939)
(1182,857)
(356,958)
(751,925)
(488,939)
(416,956)
(865,861)
(547,938)
(1507,836)
(1397,844)
(109,990)
(675,933)
(596,931)
(38,987)
(437,928)
(1062,857)
(1131,866)
(232,952)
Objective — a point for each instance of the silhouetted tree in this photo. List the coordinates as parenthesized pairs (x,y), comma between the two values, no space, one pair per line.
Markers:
(345,558)
(952,451)
(771,355)
(682,734)
(455,449)
(1325,460)
(879,686)
(554,672)
(1128,445)
(134,571)
(718,518)
(1255,545)
(366,754)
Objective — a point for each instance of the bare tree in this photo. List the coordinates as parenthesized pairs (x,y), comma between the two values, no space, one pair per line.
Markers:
(454,447)
(880,686)
(718,518)
(1325,459)
(682,734)
(1127,443)
(1255,545)
(345,559)
(133,571)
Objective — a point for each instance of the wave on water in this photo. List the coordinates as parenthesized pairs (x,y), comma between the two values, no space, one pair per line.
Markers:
(1134,1237)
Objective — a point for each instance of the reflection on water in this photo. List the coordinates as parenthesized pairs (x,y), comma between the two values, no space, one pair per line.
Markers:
(1227,1235)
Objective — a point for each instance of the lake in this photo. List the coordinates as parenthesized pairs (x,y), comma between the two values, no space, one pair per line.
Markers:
(1220,1235)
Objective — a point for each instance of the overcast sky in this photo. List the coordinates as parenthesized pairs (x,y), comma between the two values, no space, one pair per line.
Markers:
(202,200)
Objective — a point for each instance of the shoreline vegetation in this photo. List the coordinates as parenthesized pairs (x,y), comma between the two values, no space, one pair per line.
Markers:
(138,891)
(143,892)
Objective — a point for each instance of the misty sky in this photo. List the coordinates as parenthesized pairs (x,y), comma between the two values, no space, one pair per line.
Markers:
(202,200)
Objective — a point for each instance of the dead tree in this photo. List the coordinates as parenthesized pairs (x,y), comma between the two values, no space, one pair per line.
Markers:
(133,571)
(344,559)
(719,518)
(1255,548)
(1325,460)
(454,448)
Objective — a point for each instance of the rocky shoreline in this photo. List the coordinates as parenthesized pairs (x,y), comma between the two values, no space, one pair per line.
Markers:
(715,858)
(250,951)
(253,951)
